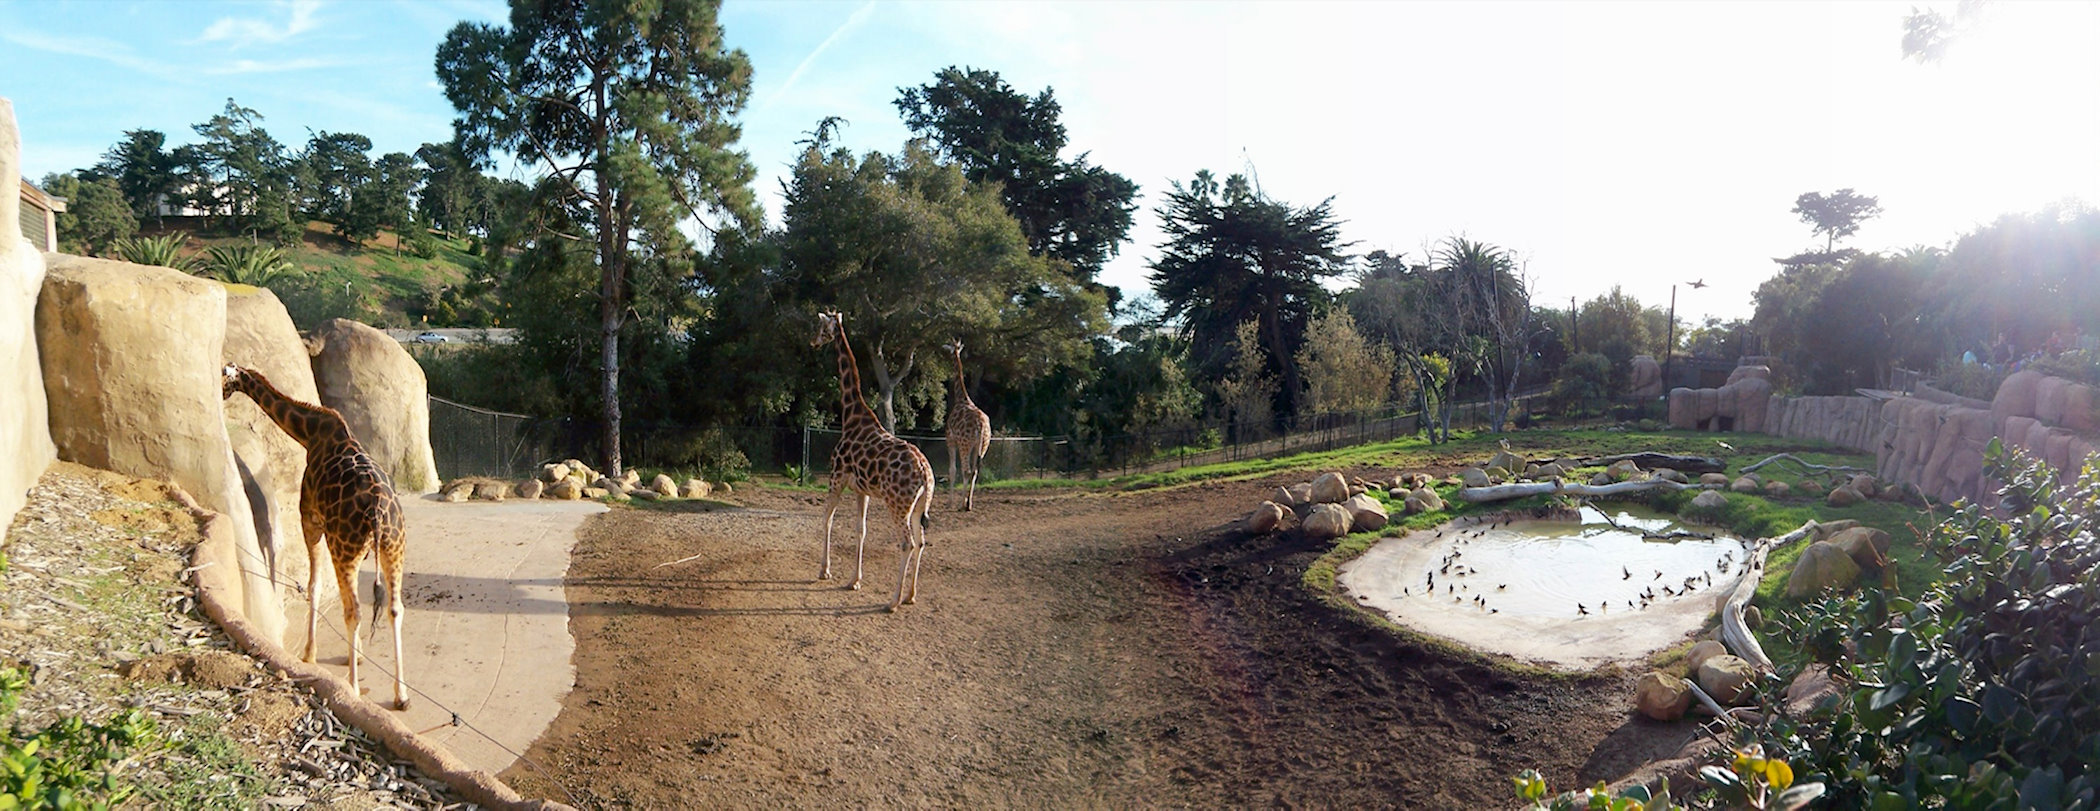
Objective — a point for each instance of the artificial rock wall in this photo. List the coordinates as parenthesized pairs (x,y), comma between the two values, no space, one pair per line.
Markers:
(25,434)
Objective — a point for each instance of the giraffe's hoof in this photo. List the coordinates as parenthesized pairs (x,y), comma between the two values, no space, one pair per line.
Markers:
(892,609)
(400,704)
(855,585)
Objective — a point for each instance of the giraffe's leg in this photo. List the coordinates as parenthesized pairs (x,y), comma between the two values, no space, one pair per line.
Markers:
(954,481)
(346,584)
(976,463)
(860,553)
(904,548)
(914,529)
(390,573)
(313,582)
(831,510)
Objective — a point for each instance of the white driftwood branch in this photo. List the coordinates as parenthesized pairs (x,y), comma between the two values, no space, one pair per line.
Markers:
(1735,633)
(1504,492)
(1806,467)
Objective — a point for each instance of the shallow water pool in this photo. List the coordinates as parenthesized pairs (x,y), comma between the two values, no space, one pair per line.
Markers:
(1573,593)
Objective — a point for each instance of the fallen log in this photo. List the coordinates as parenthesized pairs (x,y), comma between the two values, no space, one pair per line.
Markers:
(1805,466)
(1504,492)
(1735,633)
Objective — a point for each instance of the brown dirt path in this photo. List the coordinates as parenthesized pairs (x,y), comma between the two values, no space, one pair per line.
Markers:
(1067,649)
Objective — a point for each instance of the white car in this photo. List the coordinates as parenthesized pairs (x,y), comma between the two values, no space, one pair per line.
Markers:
(431,338)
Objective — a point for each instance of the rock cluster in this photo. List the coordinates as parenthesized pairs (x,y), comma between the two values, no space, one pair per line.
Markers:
(1333,505)
(571,479)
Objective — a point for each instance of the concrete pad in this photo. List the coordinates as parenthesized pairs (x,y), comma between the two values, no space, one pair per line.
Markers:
(487,627)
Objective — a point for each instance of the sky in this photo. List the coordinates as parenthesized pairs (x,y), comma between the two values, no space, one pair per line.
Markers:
(1642,144)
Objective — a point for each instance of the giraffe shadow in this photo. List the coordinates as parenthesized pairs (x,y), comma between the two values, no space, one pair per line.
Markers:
(613,608)
(683,584)
(446,593)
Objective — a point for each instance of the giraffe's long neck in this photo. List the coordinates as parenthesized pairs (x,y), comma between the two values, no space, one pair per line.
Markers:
(962,387)
(311,425)
(855,415)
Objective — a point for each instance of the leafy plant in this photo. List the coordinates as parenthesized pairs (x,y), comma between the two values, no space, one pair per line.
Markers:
(1531,788)
(68,764)
(165,250)
(1985,692)
(252,264)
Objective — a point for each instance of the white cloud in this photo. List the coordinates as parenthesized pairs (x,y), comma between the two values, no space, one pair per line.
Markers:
(242,32)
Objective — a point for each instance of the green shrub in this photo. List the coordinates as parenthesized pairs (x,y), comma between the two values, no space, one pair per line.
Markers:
(165,251)
(1985,693)
(71,763)
(1584,384)
(1973,380)
(253,264)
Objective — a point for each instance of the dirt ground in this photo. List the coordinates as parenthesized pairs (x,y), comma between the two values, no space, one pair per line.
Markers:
(1067,648)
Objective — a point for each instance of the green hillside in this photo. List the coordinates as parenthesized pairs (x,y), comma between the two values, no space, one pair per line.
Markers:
(378,282)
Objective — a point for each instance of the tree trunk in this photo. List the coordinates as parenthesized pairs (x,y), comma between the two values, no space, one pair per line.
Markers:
(886,409)
(1274,327)
(609,317)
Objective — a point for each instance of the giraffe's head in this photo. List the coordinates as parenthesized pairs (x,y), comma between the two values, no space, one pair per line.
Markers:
(954,347)
(830,324)
(231,379)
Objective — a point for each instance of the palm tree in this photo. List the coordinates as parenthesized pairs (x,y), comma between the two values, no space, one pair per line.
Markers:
(165,250)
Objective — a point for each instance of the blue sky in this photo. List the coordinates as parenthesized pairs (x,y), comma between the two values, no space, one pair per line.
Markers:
(1639,144)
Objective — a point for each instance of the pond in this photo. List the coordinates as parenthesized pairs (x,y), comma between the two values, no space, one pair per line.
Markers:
(1570,593)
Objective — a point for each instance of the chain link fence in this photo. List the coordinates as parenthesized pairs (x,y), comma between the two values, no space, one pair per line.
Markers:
(470,441)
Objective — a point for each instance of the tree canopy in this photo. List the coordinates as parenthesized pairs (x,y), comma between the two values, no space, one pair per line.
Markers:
(1069,210)
(1233,255)
(1836,215)
(631,109)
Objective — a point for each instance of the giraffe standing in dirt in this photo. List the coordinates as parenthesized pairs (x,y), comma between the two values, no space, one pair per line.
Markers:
(969,433)
(874,463)
(347,499)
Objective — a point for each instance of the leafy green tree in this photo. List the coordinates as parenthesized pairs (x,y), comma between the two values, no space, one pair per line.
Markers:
(96,214)
(1233,255)
(1408,308)
(1864,323)
(631,108)
(1247,390)
(247,169)
(1493,304)
(456,196)
(1070,210)
(334,166)
(1585,383)
(1342,371)
(1784,305)
(1836,215)
(914,254)
(144,170)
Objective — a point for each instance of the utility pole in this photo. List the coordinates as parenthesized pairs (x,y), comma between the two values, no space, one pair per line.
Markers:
(1670,344)
(1574,326)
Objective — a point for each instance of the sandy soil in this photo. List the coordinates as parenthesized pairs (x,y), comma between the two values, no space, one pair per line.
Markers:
(1067,649)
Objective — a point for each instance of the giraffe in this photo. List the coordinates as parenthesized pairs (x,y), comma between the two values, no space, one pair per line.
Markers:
(969,433)
(346,498)
(873,462)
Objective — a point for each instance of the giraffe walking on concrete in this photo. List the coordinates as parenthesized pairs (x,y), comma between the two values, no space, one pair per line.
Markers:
(874,463)
(346,499)
(969,433)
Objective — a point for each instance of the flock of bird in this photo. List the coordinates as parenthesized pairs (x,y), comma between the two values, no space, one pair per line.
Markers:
(1454,569)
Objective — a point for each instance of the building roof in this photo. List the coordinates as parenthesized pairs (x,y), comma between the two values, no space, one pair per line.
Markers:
(47,202)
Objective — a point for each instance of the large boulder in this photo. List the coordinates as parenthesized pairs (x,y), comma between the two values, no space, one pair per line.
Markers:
(25,425)
(1474,477)
(1507,460)
(1683,407)
(1661,696)
(131,357)
(1623,470)
(1365,513)
(1330,488)
(1843,497)
(1266,518)
(260,336)
(1753,399)
(1823,565)
(695,488)
(1727,678)
(2080,412)
(664,486)
(530,489)
(2016,396)
(1327,521)
(1431,502)
(383,396)
(1709,500)
(565,490)
(1705,649)
(1868,547)
(1749,372)
(1645,377)
(1714,478)
(1743,484)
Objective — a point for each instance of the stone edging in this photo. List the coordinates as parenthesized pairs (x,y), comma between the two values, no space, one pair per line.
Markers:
(215,573)
(1933,394)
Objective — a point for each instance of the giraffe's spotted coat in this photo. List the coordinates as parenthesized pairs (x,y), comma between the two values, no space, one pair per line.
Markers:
(874,464)
(969,434)
(347,500)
